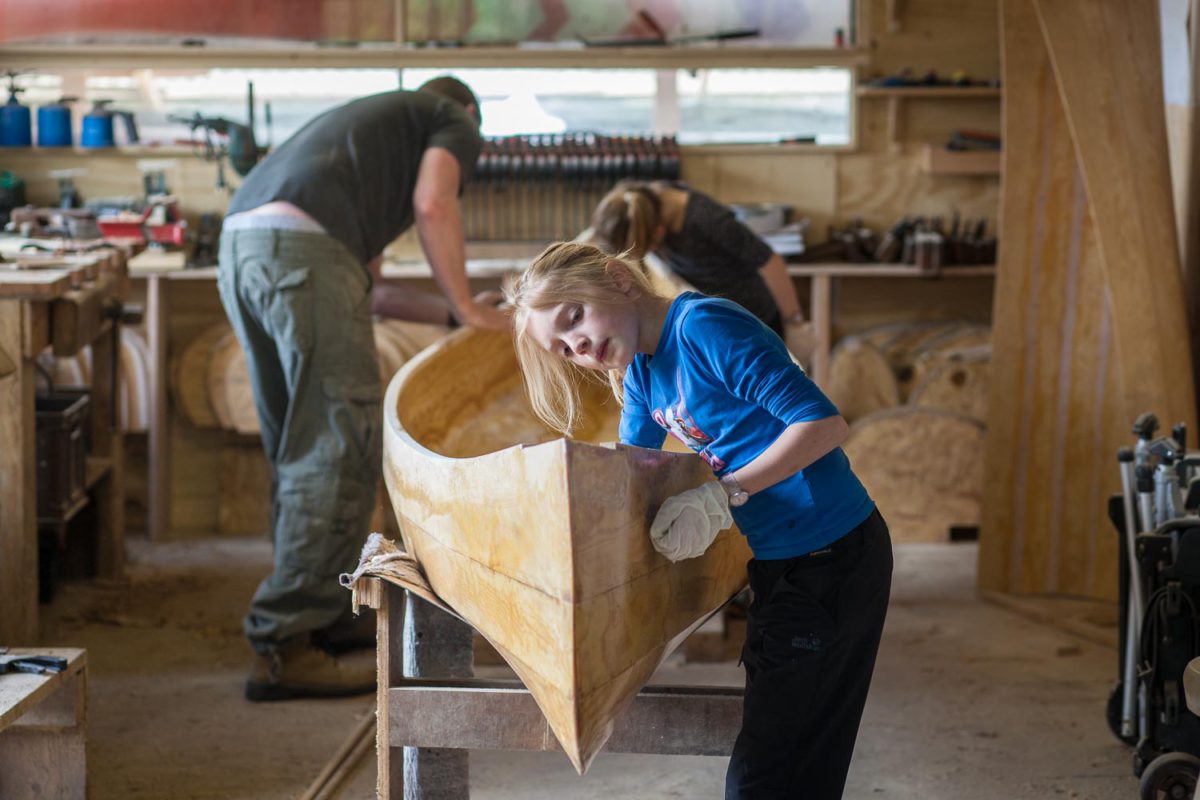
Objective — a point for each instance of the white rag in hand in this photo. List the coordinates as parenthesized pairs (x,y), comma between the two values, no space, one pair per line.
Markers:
(688,522)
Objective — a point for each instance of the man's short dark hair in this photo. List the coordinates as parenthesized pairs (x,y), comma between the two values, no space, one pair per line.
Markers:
(456,90)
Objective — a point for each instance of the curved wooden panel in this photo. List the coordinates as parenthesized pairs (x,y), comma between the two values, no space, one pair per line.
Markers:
(1083,326)
(540,542)
(1107,58)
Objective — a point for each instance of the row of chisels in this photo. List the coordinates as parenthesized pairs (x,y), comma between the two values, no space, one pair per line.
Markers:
(543,187)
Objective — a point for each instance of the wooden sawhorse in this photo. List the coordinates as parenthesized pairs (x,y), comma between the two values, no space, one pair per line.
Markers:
(430,711)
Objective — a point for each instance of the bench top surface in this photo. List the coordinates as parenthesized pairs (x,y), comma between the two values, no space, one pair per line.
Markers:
(20,691)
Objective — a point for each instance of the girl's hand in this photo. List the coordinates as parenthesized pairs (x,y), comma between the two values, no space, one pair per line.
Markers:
(687,523)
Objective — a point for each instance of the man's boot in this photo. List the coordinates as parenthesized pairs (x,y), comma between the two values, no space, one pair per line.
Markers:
(301,669)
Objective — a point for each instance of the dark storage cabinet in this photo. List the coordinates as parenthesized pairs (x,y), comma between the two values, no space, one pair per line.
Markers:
(63,434)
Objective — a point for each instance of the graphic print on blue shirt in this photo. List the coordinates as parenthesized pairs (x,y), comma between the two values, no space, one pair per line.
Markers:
(679,423)
(724,384)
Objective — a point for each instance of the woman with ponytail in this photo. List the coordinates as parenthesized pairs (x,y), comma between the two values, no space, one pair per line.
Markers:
(703,243)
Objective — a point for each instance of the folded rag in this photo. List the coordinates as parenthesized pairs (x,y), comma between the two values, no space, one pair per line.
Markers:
(687,523)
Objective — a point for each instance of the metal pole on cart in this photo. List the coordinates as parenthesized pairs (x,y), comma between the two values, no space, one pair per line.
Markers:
(1133,617)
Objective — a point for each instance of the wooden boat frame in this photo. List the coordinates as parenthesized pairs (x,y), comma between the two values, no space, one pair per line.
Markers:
(543,548)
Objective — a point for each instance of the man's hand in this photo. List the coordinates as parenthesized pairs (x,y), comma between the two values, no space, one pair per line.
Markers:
(484,315)
(687,523)
(483,312)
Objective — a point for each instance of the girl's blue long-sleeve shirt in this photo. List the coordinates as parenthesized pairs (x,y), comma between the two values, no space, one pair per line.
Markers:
(725,385)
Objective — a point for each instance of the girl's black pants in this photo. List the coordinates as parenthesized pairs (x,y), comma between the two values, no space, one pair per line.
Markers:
(812,635)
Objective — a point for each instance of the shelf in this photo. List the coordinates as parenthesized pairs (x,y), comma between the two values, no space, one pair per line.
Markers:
(931,92)
(896,94)
(839,269)
(47,56)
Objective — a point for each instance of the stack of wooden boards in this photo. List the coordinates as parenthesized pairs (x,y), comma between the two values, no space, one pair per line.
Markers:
(210,385)
(916,397)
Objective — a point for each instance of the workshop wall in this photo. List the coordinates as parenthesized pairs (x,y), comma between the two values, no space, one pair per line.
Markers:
(218,480)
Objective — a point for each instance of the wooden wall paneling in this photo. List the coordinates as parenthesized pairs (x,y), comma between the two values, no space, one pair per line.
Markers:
(935,34)
(806,181)
(881,188)
(195,480)
(1107,60)
(245,489)
(868,303)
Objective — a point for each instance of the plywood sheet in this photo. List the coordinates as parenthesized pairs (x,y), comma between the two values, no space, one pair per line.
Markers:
(1063,387)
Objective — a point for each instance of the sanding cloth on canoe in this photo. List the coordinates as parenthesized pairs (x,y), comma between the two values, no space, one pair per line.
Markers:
(382,558)
(541,543)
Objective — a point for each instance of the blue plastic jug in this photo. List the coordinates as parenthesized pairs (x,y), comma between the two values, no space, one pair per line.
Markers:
(15,127)
(98,126)
(54,124)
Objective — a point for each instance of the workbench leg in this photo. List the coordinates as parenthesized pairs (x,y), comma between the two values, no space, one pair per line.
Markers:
(44,753)
(389,654)
(821,314)
(18,491)
(158,441)
(107,443)
(436,645)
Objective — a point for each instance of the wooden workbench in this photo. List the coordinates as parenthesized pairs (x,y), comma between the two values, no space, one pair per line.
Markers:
(43,727)
(61,304)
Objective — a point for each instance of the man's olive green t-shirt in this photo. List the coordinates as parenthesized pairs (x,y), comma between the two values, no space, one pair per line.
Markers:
(353,169)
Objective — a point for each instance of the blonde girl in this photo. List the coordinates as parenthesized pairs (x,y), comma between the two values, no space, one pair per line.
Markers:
(707,371)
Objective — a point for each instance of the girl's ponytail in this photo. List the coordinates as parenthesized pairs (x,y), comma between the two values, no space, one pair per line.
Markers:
(627,218)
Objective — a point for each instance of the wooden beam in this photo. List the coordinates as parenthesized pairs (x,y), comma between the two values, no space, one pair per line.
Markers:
(18,498)
(389,655)
(661,720)
(158,517)
(26,56)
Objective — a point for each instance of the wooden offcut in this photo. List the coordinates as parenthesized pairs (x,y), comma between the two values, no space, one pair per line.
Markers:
(544,548)
(922,467)
(861,380)
(959,384)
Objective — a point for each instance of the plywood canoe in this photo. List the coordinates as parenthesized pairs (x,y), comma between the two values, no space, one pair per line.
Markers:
(541,542)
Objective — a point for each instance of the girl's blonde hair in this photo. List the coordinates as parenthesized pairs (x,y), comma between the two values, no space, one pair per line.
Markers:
(566,272)
(626,219)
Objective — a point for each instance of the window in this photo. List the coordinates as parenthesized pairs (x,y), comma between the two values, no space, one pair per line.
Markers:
(699,106)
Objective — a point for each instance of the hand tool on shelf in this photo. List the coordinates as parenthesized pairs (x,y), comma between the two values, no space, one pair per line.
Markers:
(32,664)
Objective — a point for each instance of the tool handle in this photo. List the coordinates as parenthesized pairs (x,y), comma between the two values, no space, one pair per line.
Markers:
(1145,425)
